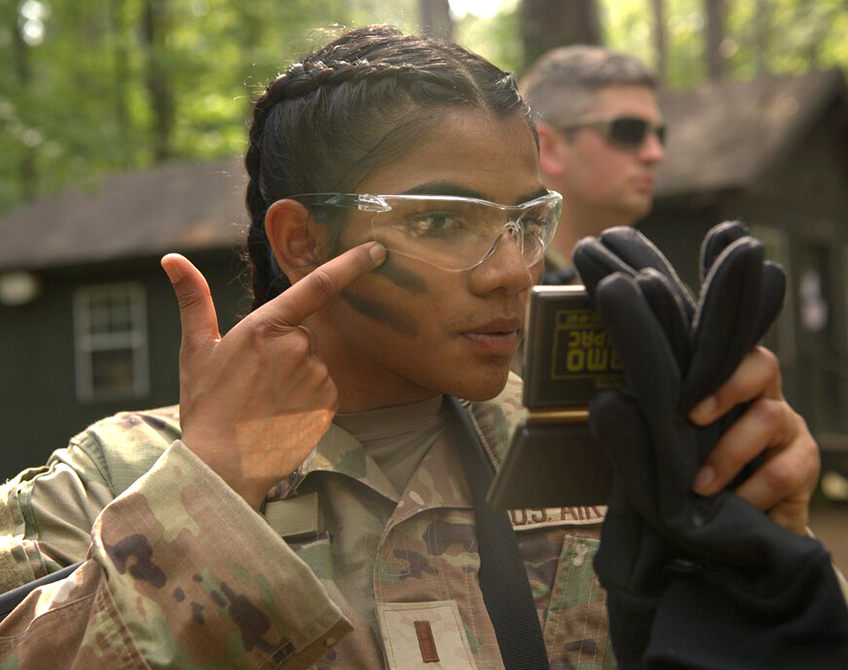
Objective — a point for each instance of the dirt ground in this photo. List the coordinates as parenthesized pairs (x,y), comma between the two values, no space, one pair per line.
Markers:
(829,521)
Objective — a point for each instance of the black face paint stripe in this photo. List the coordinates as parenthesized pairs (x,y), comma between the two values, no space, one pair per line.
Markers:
(402,277)
(382,313)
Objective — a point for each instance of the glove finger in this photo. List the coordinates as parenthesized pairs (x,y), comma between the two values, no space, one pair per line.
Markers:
(669,311)
(640,253)
(654,471)
(641,344)
(594,262)
(717,240)
(727,320)
(618,426)
(774,291)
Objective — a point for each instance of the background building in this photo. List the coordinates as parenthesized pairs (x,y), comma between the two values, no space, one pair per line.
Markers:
(88,321)
(772,152)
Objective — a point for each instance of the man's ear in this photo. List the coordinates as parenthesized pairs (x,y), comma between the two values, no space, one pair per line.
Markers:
(292,236)
(552,150)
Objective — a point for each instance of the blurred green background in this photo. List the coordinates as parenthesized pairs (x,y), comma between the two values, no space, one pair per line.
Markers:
(91,87)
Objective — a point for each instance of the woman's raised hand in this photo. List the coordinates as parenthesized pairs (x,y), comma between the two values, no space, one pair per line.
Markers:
(254,403)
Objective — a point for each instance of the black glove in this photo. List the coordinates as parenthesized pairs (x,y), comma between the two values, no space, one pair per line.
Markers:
(692,581)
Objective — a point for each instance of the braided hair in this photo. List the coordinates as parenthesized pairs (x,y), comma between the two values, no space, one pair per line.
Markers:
(338,114)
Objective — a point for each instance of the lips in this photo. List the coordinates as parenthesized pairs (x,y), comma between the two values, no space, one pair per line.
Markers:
(643,184)
(499,337)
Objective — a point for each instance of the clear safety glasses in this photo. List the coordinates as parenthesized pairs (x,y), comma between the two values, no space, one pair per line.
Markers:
(450,232)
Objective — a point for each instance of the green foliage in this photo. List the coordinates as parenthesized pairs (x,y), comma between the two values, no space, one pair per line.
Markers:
(496,39)
(76,102)
(801,34)
(79,78)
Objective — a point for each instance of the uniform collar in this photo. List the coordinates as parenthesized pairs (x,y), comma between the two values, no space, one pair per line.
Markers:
(340,452)
(438,481)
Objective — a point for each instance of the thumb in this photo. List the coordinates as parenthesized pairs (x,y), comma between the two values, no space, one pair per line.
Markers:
(197,311)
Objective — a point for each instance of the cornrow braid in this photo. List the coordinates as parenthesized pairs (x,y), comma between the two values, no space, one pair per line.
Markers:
(300,81)
(264,272)
(344,110)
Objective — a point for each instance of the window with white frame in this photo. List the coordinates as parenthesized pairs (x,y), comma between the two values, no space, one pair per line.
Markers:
(110,339)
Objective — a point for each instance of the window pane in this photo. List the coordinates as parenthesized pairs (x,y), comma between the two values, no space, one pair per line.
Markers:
(120,317)
(112,371)
(99,318)
(111,344)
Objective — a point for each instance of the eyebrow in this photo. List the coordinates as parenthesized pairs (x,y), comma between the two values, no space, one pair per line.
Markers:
(450,189)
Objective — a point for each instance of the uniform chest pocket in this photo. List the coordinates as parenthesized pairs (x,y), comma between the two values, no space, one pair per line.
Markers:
(300,523)
(576,629)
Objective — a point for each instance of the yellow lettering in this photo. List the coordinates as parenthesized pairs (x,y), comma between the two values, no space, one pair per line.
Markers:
(597,360)
(573,339)
(575,361)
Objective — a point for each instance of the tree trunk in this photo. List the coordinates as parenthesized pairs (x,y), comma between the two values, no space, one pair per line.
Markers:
(153,29)
(546,24)
(435,18)
(715,37)
(762,35)
(23,75)
(117,29)
(658,11)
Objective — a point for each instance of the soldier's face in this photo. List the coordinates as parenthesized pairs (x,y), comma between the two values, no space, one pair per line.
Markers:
(606,181)
(411,330)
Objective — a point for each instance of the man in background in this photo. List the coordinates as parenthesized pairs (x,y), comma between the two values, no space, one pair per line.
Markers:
(600,142)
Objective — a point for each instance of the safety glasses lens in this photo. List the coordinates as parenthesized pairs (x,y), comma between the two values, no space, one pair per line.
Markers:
(457,233)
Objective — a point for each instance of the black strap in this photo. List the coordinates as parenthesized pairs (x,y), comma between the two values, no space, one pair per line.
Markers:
(503,577)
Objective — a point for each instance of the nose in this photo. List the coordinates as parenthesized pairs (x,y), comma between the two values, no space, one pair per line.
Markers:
(505,269)
(652,150)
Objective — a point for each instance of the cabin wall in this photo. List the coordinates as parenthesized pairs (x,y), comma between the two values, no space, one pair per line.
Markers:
(40,408)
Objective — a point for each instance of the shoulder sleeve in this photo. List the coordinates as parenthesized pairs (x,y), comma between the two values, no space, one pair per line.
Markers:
(181,573)
(46,513)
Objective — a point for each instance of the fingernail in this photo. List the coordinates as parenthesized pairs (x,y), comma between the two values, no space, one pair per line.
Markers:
(704,410)
(173,271)
(377,252)
(703,479)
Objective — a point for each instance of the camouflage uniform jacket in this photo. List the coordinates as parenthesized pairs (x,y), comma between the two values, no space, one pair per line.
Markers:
(180,572)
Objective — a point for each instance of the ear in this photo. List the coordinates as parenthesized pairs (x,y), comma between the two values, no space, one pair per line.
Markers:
(292,238)
(553,148)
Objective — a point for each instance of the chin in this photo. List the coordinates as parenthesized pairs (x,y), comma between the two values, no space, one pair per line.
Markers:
(483,387)
(640,209)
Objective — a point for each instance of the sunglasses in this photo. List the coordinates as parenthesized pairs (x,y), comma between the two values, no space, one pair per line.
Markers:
(624,131)
(450,232)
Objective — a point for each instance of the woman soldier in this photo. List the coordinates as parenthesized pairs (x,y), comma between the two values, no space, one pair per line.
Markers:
(223,537)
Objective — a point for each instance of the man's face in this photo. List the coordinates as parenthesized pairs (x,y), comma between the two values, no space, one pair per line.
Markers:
(410,330)
(603,182)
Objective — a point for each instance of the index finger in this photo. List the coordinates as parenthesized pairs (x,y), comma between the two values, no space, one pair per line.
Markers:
(310,293)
